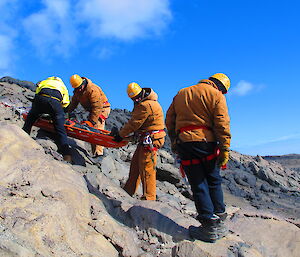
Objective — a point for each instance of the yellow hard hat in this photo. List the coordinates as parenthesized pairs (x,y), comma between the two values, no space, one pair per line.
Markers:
(76,81)
(133,89)
(221,77)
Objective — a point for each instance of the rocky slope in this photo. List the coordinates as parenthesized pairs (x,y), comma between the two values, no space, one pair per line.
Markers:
(51,208)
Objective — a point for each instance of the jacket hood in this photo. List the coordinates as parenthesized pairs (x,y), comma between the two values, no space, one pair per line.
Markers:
(150,95)
(88,80)
(209,82)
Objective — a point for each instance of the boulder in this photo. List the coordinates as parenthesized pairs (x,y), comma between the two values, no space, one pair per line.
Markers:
(44,204)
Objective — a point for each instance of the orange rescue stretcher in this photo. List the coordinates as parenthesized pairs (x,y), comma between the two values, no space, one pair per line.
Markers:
(82,132)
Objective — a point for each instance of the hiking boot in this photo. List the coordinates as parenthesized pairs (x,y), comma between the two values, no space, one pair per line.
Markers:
(222,216)
(222,228)
(210,230)
(203,233)
(67,158)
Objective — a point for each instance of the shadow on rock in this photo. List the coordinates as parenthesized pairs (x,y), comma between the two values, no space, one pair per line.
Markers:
(142,218)
(157,224)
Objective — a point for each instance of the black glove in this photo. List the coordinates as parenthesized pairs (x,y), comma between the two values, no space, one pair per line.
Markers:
(114,131)
(118,138)
(115,134)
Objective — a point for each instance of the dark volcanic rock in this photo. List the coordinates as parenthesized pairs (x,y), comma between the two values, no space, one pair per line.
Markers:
(21,83)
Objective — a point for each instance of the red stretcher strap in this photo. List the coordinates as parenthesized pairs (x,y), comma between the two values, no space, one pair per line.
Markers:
(193,127)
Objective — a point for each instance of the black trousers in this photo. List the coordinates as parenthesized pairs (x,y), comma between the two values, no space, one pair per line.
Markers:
(47,105)
(204,178)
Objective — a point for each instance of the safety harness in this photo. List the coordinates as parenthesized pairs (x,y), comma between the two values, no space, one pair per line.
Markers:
(198,160)
(203,159)
(146,140)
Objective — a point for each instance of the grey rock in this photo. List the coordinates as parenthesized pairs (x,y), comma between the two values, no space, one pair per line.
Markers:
(188,249)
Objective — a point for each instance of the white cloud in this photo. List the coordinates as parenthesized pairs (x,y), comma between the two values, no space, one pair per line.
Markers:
(125,19)
(242,88)
(59,27)
(52,28)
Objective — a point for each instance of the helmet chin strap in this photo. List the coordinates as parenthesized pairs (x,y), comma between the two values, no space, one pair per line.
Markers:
(139,97)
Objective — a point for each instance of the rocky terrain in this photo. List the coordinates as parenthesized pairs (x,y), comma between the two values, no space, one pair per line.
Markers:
(291,161)
(51,208)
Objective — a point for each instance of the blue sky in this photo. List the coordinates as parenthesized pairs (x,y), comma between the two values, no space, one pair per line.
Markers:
(167,45)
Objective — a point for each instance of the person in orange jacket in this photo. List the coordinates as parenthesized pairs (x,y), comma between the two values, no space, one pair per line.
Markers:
(93,100)
(147,122)
(199,128)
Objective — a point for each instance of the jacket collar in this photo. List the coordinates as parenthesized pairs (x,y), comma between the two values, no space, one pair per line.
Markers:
(209,82)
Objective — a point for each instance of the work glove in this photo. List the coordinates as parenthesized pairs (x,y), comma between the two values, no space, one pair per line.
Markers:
(87,123)
(115,134)
(118,138)
(223,158)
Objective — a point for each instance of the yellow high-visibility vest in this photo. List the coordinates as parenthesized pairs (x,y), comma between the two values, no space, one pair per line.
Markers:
(58,84)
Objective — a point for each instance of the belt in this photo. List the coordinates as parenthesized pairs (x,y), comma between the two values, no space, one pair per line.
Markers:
(53,97)
(198,161)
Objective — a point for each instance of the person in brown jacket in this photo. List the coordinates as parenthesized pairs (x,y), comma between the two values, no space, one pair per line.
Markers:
(147,122)
(199,128)
(93,100)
